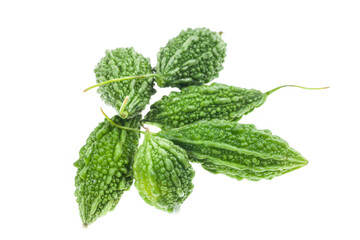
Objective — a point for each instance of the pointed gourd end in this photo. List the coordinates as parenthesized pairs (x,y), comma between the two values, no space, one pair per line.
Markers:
(302,162)
(305,162)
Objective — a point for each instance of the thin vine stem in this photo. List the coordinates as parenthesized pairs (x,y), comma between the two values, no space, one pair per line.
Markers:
(275,89)
(121,79)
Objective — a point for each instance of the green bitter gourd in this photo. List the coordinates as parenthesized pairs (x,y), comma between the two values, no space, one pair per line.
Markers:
(162,173)
(206,102)
(236,150)
(130,97)
(104,168)
(194,57)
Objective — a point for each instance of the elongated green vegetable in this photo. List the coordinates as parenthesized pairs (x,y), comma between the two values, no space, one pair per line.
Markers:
(130,97)
(162,173)
(194,57)
(206,102)
(104,168)
(236,150)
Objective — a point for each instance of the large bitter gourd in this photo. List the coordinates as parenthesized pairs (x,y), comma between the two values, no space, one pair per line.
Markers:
(162,173)
(104,168)
(129,97)
(206,102)
(236,150)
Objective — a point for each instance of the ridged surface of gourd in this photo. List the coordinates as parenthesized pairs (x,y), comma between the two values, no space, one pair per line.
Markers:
(162,173)
(104,168)
(236,150)
(124,62)
(206,102)
(194,57)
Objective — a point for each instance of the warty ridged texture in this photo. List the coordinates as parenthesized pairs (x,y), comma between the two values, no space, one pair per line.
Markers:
(194,57)
(206,102)
(236,150)
(104,168)
(124,62)
(162,173)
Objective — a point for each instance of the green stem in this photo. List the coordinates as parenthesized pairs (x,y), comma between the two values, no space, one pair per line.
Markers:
(275,89)
(122,111)
(121,79)
(118,126)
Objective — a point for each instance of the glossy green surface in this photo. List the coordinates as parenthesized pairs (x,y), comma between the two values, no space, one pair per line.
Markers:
(194,57)
(162,173)
(206,102)
(236,150)
(124,62)
(104,168)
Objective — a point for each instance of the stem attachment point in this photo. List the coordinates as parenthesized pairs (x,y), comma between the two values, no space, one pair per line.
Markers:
(118,126)
(123,113)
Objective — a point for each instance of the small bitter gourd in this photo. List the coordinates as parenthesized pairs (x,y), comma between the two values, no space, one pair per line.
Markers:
(129,97)
(206,102)
(104,168)
(162,173)
(236,150)
(194,57)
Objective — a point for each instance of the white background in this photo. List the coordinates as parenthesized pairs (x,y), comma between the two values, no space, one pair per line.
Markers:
(49,50)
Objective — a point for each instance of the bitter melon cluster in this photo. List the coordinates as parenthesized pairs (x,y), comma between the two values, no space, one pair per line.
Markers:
(199,124)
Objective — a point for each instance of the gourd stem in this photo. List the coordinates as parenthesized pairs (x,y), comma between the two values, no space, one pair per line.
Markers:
(121,79)
(118,126)
(122,108)
(275,89)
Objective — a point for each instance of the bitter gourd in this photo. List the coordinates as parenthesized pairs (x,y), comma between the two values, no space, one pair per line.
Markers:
(194,57)
(236,150)
(162,173)
(104,168)
(129,97)
(206,102)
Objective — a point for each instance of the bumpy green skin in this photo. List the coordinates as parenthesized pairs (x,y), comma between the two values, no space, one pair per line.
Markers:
(194,57)
(104,168)
(162,173)
(236,150)
(124,62)
(206,102)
